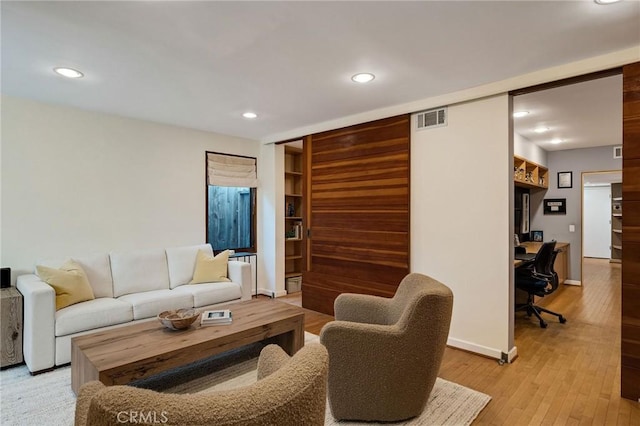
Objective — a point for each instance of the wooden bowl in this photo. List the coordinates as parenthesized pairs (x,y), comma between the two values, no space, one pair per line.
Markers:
(178,319)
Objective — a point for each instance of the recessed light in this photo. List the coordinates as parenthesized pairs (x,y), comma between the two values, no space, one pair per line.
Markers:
(363,77)
(606,1)
(519,114)
(250,115)
(540,129)
(556,141)
(68,72)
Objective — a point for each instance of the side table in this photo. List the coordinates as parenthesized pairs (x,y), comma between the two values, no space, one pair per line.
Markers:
(11,327)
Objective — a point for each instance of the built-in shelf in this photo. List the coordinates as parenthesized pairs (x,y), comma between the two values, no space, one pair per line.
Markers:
(292,274)
(616,222)
(528,174)
(294,217)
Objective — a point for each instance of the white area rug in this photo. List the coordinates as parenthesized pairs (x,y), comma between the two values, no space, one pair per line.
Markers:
(47,399)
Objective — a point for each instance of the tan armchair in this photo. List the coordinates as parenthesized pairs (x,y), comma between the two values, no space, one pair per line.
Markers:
(385,354)
(289,391)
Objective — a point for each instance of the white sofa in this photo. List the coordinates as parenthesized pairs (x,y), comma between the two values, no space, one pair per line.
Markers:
(128,287)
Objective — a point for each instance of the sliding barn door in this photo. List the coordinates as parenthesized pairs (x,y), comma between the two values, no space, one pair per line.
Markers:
(358,211)
(630,345)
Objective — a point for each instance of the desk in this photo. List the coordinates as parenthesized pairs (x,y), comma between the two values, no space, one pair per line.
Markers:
(244,255)
(560,265)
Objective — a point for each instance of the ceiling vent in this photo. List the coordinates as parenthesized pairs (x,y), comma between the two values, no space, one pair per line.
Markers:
(432,118)
(617,151)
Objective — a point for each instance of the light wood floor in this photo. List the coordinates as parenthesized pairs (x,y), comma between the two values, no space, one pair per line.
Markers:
(565,374)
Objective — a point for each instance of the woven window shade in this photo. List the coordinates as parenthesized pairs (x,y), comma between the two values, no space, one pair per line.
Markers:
(229,170)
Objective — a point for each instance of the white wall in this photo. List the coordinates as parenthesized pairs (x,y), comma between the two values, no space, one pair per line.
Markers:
(461,179)
(523,147)
(271,217)
(77,182)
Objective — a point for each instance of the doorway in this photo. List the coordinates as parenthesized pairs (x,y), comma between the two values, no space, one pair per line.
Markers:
(597,227)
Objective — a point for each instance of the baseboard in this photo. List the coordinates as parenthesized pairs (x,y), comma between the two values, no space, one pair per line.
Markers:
(511,355)
(572,282)
(475,348)
(272,293)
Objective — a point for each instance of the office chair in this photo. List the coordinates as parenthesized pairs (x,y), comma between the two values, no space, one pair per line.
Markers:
(538,278)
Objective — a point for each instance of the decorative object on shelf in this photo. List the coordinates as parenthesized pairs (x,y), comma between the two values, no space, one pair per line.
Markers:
(537,236)
(291,210)
(179,319)
(5,277)
(555,206)
(524,225)
(565,179)
(290,234)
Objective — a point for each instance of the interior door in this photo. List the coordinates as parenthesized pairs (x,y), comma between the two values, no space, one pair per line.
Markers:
(597,222)
(358,211)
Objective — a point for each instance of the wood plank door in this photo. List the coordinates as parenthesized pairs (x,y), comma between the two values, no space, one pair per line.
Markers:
(358,211)
(630,345)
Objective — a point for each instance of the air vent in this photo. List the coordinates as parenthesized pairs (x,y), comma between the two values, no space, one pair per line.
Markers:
(432,118)
(617,151)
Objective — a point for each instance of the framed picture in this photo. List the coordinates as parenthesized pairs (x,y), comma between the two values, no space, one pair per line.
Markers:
(565,179)
(537,236)
(554,206)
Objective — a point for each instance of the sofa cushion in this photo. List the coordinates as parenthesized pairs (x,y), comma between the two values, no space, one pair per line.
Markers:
(97,268)
(69,281)
(182,262)
(150,303)
(92,314)
(209,268)
(211,293)
(139,271)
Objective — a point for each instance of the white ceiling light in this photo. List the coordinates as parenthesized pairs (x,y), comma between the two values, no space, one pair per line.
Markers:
(68,72)
(556,141)
(606,1)
(519,114)
(363,77)
(540,129)
(250,115)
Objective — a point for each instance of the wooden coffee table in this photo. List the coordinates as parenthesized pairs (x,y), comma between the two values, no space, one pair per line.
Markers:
(132,352)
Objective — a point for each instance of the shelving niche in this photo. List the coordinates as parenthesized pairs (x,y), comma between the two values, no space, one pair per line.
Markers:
(528,174)
(616,222)
(294,217)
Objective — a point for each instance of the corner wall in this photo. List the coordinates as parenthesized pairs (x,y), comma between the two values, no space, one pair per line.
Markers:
(461,176)
(77,182)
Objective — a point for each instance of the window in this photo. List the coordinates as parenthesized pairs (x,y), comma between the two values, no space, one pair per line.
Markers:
(231,201)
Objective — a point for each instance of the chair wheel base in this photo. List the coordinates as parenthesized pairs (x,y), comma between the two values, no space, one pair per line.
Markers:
(543,324)
(562,319)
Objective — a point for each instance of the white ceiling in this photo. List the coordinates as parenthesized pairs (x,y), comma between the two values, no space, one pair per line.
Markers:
(582,115)
(201,64)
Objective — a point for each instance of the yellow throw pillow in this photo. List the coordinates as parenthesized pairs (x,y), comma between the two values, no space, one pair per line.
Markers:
(70,283)
(210,269)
